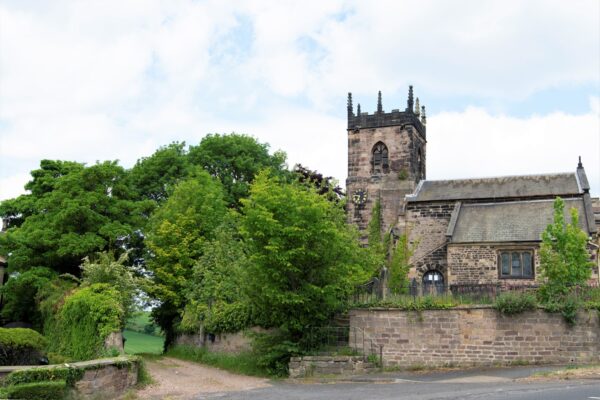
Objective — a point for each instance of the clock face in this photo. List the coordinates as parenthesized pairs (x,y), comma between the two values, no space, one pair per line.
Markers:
(359,197)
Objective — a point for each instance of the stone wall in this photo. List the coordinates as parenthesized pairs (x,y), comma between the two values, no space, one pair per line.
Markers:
(223,343)
(478,336)
(478,264)
(105,378)
(307,366)
(427,225)
(402,143)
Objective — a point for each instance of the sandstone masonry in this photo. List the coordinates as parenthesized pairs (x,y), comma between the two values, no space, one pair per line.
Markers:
(307,366)
(478,336)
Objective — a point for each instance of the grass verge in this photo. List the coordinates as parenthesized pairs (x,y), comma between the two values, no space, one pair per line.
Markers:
(571,372)
(241,363)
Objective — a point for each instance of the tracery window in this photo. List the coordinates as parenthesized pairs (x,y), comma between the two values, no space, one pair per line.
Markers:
(515,264)
(380,161)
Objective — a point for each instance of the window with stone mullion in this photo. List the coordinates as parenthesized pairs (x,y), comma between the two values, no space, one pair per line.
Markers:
(515,264)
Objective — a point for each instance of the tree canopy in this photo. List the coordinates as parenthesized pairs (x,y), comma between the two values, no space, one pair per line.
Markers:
(304,258)
(235,160)
(72,211)
(176,234)
(155,176)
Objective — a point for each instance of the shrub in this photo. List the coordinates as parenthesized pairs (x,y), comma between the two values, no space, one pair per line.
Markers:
(19,295)
(50,299)
(515,303)
(407,303)
(46,390)
(84,321)
(274,350)
(104,267)
(20,346)
(566,305)
(149,329)
(228,317)
(70,375)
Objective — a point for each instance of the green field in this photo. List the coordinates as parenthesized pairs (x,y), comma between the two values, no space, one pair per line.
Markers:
(141,343)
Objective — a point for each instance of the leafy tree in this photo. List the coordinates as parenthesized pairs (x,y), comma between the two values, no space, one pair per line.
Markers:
(564,258)
(304,260)
(73,214)
(176,236)
(45,179)
(154,177)
(105,268)
(19,295)
(235,160)
(325,186)
(215,298)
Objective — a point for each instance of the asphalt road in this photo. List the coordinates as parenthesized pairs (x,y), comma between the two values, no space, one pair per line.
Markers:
(420,391)
(454,385)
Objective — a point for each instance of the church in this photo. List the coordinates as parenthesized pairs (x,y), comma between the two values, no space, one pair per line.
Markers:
(462,231)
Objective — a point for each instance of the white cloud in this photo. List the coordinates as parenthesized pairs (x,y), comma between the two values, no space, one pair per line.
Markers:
(475,143)
(83,81)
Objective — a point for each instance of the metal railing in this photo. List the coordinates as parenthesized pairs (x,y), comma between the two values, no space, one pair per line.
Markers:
(468,293)
(344,340)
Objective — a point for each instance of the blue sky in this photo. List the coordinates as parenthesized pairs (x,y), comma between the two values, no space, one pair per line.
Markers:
(511,87)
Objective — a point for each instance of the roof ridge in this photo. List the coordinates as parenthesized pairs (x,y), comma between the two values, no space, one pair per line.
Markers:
(500,203)
(502,176)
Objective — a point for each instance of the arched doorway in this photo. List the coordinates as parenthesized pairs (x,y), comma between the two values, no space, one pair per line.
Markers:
(433,282)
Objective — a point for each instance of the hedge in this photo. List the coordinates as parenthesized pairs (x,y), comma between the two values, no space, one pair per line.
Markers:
(70,375)
(20,346)
(46,390)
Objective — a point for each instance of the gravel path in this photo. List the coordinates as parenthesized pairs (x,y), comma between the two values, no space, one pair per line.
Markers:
(182,380)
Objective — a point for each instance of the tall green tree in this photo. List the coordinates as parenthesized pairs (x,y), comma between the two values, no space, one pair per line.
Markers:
(564,257)
(304,258)
(215,298)
(75,211)
(154,177)
(44,180)
(234,159)
(176,236)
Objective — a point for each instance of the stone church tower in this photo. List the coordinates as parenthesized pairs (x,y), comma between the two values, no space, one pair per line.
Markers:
(386,161)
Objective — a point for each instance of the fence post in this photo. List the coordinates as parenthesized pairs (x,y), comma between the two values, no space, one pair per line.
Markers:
(381,356)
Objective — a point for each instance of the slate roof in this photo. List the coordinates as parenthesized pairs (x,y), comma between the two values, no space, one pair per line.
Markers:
(546,185)
(518,221)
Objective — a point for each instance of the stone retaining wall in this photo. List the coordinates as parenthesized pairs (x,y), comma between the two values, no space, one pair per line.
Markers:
(105,378)
(478,336)
(224,343)
(108,378)
(307,366)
